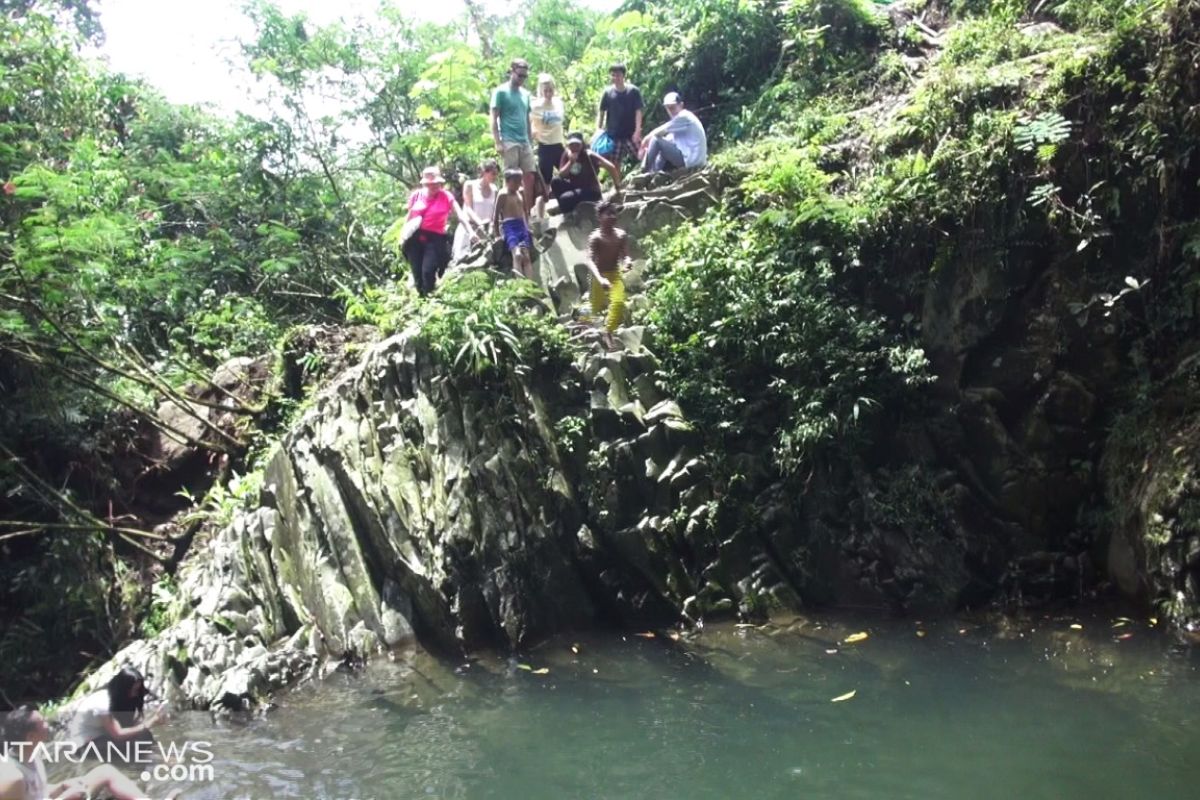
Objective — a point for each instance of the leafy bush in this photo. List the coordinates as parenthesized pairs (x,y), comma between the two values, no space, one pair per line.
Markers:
(482,324)
(758,341)
(830,38)
(57,620)
(164,609)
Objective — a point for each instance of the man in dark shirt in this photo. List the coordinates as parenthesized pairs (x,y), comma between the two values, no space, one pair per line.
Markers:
(621,115)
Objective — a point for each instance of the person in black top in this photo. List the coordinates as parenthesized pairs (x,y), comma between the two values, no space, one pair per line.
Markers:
(580,181)
(621,115)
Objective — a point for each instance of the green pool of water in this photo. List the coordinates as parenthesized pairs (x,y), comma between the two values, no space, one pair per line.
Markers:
(1039,710)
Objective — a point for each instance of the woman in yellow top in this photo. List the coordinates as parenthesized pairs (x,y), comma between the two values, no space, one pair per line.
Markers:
(546,117)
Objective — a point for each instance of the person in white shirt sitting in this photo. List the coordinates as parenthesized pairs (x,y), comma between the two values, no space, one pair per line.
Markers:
(678,143)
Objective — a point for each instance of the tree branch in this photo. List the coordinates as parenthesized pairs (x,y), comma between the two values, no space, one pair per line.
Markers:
(82,380)
(155,383)
(39,527)
(90,520)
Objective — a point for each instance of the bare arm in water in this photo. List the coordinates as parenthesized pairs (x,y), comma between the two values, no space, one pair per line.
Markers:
(120,734)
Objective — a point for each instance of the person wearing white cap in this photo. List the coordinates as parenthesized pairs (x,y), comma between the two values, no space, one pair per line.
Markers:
(427,249)
(678,143)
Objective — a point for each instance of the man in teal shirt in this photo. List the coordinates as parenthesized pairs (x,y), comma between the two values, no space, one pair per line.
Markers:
(510,126)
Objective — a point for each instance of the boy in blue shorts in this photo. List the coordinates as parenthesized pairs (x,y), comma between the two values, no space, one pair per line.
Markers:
(511,220)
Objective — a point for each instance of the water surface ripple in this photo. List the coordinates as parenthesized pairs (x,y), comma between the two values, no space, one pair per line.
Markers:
(953,710)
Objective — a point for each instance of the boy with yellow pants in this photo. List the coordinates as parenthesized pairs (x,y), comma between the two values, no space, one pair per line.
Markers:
(608,252)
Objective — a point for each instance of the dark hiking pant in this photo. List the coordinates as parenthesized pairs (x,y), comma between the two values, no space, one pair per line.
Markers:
(548,156)
(569,197)
(428,254)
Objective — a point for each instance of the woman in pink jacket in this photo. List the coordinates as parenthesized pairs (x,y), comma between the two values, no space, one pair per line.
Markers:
(428,249)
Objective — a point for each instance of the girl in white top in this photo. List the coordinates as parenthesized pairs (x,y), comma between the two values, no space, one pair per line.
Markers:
(479,201)
(115,713)
(546,117)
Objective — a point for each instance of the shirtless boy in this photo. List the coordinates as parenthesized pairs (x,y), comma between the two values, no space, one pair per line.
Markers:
(608,253)
(511,220)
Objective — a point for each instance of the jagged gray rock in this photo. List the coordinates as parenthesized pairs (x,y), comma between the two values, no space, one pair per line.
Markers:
(409,504)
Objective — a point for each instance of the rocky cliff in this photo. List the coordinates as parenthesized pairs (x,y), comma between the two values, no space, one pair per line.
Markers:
(411,503)
(1049,455)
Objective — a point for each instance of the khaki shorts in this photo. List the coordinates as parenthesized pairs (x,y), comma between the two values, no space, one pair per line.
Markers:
(517,155)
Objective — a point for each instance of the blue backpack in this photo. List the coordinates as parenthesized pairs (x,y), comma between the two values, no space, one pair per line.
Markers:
(603,144)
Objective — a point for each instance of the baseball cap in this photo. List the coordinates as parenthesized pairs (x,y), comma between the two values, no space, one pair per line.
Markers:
(671,99)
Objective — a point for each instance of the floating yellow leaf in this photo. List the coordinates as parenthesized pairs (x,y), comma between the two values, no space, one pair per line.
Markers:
(1154,620)
(525,667)
(542,671)
(831,652)
(1121,623)
(575,649)
(645,634)
(845,696)
(856,637)
(674,636)
(920,634)
(1075,626)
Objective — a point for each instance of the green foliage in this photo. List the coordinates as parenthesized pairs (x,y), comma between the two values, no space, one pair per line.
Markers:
(79,14)
(388,307)
(78,602)
(165,607)
(223,499)
(1047,128)
(758,319)
(1103,15)
(37,122)
(452,107)
(551,34)
(482,325)
(909,499)
(759,343)
(985,42)
(830,37)
(231,325)
(133,232)
(571,433)
(795,191)
(823,53)
(296,53)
